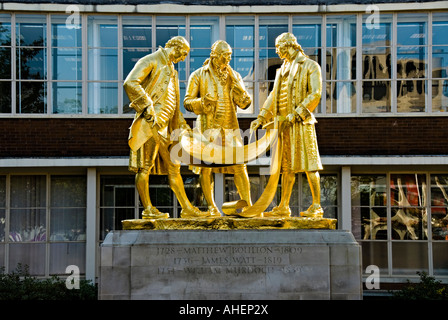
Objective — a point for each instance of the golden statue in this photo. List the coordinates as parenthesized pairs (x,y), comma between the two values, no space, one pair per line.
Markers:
(214,92)
(296,93)
(153,89)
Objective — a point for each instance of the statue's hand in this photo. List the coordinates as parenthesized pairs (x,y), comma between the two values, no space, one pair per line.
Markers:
(256,123)
(291,118)
(208,103)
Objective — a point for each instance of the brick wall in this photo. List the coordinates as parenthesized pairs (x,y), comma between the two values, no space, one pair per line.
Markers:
(336,136)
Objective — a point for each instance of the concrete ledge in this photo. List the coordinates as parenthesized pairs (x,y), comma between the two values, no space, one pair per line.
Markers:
(230,264)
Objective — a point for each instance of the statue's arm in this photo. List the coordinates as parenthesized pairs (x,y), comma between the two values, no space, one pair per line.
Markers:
(133,84)
(311,101)
(192,102)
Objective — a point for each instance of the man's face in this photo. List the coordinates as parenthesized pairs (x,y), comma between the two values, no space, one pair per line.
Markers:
(223,59)
(282,50)
(180,53)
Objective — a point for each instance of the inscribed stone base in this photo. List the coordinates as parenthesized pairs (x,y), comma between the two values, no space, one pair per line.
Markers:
(230,265)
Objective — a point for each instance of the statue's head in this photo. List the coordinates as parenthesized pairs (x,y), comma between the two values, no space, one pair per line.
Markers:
(285,42)
(180,47)
(221,53)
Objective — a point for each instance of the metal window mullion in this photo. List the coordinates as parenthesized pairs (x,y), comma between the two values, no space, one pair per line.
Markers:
(153,32)
(393,85)
(389,225)
(429,224)
(13,65)
(84,62)
(359,64)
(47,226)
(49,78)
(256,66)
(7,221)
(323,64)
(429,69)
(120,64)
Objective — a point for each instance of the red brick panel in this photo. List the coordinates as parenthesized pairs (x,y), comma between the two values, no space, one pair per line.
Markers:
(69,137)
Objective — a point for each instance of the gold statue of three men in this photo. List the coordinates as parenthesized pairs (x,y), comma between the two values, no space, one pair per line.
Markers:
(214,92)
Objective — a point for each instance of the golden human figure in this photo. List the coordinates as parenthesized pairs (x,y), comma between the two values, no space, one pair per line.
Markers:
(296,93)
(153,89)
(214,92)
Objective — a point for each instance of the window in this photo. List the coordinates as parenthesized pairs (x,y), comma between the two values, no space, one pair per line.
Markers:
(66,55)
(49,69)
(44,225)
(390,219)
(440,62)
(340,65)
(240,35)
(376,65)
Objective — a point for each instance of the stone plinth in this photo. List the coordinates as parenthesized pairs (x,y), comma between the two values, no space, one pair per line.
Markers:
(230,265)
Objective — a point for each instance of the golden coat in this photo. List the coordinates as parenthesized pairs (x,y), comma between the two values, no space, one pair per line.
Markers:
(145,86)
(304,93)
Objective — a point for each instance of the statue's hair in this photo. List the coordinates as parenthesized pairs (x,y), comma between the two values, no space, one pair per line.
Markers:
(177,41)
(217,48)
(289,40)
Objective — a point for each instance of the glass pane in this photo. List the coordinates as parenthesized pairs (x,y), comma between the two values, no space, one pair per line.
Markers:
(204,31)
(440,258)
(28,191)
(102,31)
(31,97)
(374,253)
(439,204)
(27,225)
(411,95)
(68,191)
(5,60)
(67,97)
(341,64)
(269,63)
(30,254)
(5,30)
(376,96)
(2,227)
(66,254)
(411,29)
(103,64)
(376,63)
(440,95)
(369,223)
(31,30)
(197,58)
(194,192)
(68,224)
(368,190)
(110,183)
(130,58)
(341,97)
(31,63)
(270,28)
(408,190)
(102,98)
(5,97)
(341,31)
(409,257)
(240,33)
(379,34)
(67,64)
(168,27)
(2,255)
(137,32)
(409,224)
(2,191)
(243,62)
(440,29)
(64,34)
(307,31)
(411,62)
(440,61)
